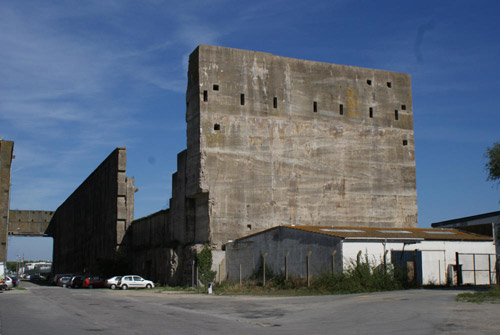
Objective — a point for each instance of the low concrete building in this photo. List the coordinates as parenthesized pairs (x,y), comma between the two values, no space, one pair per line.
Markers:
(433,252)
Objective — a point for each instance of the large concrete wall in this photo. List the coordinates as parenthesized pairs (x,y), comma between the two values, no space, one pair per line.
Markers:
(90,226)
(274,141)
(29,223)
(6,151)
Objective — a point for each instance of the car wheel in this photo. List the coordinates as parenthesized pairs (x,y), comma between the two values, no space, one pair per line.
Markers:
(91,286)
(148,286)
(124,287)
(113,286)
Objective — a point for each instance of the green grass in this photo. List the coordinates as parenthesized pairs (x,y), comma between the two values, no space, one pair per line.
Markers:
(20,288)
(491,296)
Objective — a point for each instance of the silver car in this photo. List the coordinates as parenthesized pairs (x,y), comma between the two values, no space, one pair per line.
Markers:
(133,281)
(112,282)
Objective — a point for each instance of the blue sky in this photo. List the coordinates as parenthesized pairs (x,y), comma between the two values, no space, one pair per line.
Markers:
(79,78)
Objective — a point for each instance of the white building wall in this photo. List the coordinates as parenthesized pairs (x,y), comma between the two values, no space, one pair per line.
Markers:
(436,258)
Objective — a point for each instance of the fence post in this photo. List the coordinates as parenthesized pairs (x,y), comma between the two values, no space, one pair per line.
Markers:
(308,255)
(489,268)
(197,281)
(192,274)
(220,275)
(474,266)
(264,268)
(439,268)
(286,264)
(240,274)
(333,261)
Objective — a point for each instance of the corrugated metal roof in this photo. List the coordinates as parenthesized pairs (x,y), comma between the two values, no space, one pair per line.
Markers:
(367,233)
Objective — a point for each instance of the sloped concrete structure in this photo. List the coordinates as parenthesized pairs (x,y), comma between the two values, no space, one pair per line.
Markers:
(278,141)
(89,227)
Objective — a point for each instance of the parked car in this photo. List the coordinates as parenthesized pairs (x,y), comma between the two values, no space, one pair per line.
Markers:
(9,282)
(15,281)
(55,279)
(133,281)
(112,282)
(64,281)
(94,282)
(77,281)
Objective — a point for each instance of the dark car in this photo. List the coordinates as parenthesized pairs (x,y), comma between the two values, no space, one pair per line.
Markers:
(35,277)
(94,282)
(77,281)
(15,281)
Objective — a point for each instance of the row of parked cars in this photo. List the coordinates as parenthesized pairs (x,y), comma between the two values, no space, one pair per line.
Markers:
(121,282)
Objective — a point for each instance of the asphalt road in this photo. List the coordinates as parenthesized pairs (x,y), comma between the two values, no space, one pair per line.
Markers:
(55,310)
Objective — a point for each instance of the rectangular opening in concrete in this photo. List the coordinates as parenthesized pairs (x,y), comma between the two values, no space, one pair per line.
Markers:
(371,112)
(396,115)
(405,142)
(275,102)
(242,99)
(369,82)
(315,106)
(389,84)
(216,87)
(216,126)
(403,107)
(205,96)
(341,109)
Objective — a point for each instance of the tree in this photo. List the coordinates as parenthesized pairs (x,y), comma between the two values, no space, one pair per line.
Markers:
(204,262)
(493,165)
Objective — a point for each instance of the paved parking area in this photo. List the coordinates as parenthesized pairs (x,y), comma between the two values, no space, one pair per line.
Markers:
(55,310)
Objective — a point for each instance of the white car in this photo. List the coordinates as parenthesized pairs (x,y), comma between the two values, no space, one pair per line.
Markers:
(133,281)
(112,282)
(9,282)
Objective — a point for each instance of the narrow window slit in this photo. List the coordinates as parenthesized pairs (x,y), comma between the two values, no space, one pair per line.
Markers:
(396,115)
(315,106)
(389,84)
(369,82)
(216,87)
(405,142)
(205,96)
(341,109)
(371,112)
(242,99)
(403,107)
(216,126)
(275,102)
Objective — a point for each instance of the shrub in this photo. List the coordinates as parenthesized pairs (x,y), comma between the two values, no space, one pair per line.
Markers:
(204,262)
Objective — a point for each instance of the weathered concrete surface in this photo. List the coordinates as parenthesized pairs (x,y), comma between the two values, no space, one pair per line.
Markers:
(29,223)
(6,151)
(89,227)
(269,146)
(274,141)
